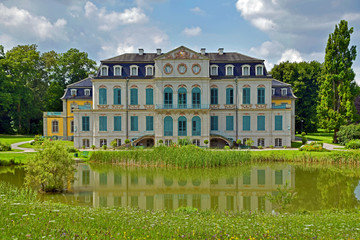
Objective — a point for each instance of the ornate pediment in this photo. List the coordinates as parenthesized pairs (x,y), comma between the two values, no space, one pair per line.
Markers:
(182,53)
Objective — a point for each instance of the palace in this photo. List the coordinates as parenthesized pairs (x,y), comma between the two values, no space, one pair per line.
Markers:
(147,97)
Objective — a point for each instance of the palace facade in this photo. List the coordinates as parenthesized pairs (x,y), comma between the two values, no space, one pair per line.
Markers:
(147,97)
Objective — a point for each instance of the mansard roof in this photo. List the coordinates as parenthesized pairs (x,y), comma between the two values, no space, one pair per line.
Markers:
(278,85)
(82,83)
(80,86)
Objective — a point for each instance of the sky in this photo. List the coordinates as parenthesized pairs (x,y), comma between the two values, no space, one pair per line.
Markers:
(273,30)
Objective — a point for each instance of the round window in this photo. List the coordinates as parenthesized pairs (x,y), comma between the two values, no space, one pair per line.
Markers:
(168,68)
(182,68)
(196,68)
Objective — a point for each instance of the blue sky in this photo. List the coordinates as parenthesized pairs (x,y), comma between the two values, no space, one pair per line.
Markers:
(274,30)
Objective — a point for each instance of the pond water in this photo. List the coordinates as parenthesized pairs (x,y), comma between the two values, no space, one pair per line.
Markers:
(236,189)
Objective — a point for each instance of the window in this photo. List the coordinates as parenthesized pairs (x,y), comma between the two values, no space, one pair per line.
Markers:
(214,123)
(261,142)
(245,140)
(117,96)
(213,96)
(278,142)
(259,70)
(278,123)
(134,96)
(196,68)
(73,92)
(246,123)
(133,70)
(261,203)
(229,123)
(214,70)
(168,97)
(196,97)
(72,126)
(182,126)
(247,178)
(182,97)
(273,91)
(102,96)
(168,126)
(196,142)
(104,70)
(283,91)
(85,120)
(134,123)
(261,177)
(117,70)
(86,143)
(149,70)
(117,123)
(261,96)
(103,142)
(230,203)
(247,203)
(246,95)
(55,126)
(149,123)
(229,70)
(196,126)
(278,177)
(103,123)
(261,123)
(87,92)
(168,142)
(149,96)
(246,70)
(118,142)
(229,96)
(168,68)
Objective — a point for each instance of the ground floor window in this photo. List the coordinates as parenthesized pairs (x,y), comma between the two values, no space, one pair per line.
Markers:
(55,126)
(118,142)
(196,142)
(244,141)
(168,142)
(72,126)
(278,142)
(261,142)
(103,142)
(86,143)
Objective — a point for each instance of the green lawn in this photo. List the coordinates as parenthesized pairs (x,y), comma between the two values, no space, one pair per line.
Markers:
(19,158)
(10,139)
(28,145)
(326,137)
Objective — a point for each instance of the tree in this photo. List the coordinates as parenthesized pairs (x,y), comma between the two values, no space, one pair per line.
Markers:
(338,88)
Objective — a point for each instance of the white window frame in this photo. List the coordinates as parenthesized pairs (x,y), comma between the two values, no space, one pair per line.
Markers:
(104,73)
(147,67)
(136,71)
(86,142)
(168,142)
(232,69)
(278,142)
(73,92)
(261,142)
(216,70)
(284,92)
(118,142)
(103,141)
(273,91)
(55,127)
(87,92)
(117,66)
(262,70)
(196,142)
(243,70)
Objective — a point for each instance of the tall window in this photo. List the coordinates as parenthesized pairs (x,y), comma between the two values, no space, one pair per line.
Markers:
(149,71)
(213,96)
(117,96)
(134,123)
(261,96)
(103,123)
(261,177)
(149,123)
(102,96)
(117,123)
(117,71)
(284,91)
(214,70)
(149,96)
(86,143)
(246,70)
(229,96)
(246,123)
(182,126)
(261,142)
(103,142)
(261,123)
(214,123)
(55,126)
(229,70)
(259,70)
(278,123)
(168,126)
(196,97)
(229,123)
(182,97)
(104,71)
(87,92)
(246,95)
(196,126)
(278,177)
(133,70)
(134,96)
(72,126)
(168,97)
(85,123)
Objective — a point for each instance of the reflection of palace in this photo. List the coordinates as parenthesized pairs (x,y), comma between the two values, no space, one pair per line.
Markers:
(244,192)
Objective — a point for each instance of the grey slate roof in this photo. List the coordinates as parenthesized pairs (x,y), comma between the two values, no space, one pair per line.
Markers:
(82,83)
(277,83)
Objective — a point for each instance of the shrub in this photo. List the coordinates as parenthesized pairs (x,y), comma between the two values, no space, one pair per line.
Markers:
(104,147)
(353,144)
(206,141)
(285,147)
(5,146)
(184,141)
(72,150)
(348,133)
(238,142)
(303,134)
(127,141)
(313,147)
(249,142)
(226,147)
(113,144)
(260,147)
(93,147)
(303,140)
(83,147)
(271,146)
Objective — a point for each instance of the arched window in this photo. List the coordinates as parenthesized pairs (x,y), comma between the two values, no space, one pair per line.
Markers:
(214,70)
(196,97)
(102,96)
(133,70)
(182,126)
(229,70)
(246,70)
(182,97)
(104,71)
(117,96)
(259,69)
(55,126)
(168,97)
(229,96)
(168,126)
(149,70)
(196,126)
(117,70)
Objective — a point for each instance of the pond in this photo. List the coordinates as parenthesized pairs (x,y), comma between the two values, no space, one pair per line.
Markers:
(242,188)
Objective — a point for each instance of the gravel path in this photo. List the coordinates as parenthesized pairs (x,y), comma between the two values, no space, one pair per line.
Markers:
(16,146)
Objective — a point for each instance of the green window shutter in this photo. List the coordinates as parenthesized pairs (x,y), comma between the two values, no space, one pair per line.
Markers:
(149,123)
(229,96)
(196,126)
(261,177)
(182,131)
(117,96)
(246,95)
(85,123)
(246,123)
(168,126)
(134,123)
(214,96)
(149,96)
(196,97)
(261,96)
(102,96)
(278,123)
(168,94)
(117,123)
(229,123)
(247,178)
(134,96)
(278,177)
(261,123)
(214,123)
(103,123)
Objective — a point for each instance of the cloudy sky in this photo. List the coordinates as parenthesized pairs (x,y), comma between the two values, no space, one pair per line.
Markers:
(274,30)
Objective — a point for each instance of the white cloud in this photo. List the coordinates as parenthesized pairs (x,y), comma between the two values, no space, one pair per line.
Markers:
(193,31)
(264,24)
(197,11)
(110,20)
(291,55)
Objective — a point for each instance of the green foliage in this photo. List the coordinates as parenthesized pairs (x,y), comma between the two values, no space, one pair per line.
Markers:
(184,141)
(93,147)
(104,147)
(238,142)
(249,142)
(206,141)
(127,141)
(271,146)
(348,133)
(353,144)
(282,198)
(303,134)
(260,147)
(313,147)
(5,146)
(50,167)
(113,144)
(226,147)
(304,140)
(72,149)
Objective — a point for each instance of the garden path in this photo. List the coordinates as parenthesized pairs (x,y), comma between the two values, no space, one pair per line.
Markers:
(16,146)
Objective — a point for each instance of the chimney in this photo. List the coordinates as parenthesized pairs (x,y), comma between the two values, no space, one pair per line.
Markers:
(158,51)
(221,51)
(203,51)
(141,51)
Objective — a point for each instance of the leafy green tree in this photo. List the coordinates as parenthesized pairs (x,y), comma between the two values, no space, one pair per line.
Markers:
(338,88)
(303,79)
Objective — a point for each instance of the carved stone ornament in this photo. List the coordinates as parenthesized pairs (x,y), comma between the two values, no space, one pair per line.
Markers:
(103,106)
(117,106)
(246,106)
(260,106)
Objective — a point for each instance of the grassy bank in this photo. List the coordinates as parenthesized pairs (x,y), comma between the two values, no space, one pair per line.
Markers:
(9,158)
(23,217)
(10,139)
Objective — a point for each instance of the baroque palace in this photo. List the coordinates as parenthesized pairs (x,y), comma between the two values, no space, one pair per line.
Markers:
(147,97)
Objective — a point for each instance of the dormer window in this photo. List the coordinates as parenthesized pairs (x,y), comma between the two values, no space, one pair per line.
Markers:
(283,91)
(73,92)
(134,70)
(246,70)
(104,71)
(273,91)
(117,70)
(259,70)
(229,70)
(149,70)
(87,92)
(213,70)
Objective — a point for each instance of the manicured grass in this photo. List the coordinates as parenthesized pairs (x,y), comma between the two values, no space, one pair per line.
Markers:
(296,144)
(10,139)
(325,137)
(28,145)
(23,217)
(8,158)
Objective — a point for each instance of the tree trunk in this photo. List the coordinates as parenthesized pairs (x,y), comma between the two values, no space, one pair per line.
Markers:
(335,137)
